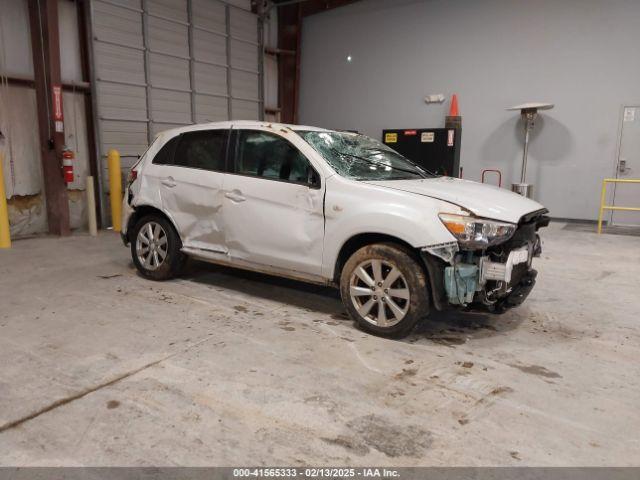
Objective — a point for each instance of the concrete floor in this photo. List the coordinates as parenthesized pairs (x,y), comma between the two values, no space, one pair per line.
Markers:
(102,367)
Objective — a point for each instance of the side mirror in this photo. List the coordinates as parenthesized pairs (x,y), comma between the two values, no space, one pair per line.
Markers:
(313,179)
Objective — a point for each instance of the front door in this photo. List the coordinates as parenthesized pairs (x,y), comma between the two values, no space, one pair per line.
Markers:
(273,205)
(191,188)
(628,167)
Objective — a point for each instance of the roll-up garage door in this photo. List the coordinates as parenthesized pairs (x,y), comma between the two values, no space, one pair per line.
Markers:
(160,64)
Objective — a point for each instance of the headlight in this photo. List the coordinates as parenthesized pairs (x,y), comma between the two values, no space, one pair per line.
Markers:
(475,232)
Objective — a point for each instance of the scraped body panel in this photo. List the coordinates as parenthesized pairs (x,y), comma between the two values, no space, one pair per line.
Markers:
(196,202)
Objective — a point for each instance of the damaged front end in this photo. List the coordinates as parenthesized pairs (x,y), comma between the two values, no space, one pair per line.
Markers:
(489,267)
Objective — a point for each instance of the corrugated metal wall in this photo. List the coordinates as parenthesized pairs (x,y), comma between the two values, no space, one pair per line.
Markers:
(159,64)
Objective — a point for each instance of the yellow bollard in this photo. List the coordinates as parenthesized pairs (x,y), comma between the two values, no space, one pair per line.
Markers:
(5,234)
(603,196)
(115,189)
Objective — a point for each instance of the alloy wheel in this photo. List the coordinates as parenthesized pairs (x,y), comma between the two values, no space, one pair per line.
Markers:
(151,245)
(379,292)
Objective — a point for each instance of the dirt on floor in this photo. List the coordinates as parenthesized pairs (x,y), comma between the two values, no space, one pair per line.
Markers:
(223,367)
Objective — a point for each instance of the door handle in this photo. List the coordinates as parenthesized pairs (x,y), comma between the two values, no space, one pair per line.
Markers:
(235,196)
(168,182)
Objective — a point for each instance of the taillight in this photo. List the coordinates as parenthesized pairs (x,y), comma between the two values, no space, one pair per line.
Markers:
(133,174)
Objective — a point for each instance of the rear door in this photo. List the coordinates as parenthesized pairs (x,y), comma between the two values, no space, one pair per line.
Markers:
(191,188)
(273,205)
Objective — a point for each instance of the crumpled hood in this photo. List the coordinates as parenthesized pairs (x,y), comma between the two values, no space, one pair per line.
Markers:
(480,199)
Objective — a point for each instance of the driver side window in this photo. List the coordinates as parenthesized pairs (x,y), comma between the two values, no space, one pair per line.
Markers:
(263,154)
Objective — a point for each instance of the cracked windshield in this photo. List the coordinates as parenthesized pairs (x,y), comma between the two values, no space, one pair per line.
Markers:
(360,157)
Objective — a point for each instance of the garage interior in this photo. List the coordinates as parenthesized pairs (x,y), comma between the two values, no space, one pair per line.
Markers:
(225,367)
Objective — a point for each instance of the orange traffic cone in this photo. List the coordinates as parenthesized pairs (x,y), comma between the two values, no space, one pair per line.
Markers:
(453,110)
(453,120)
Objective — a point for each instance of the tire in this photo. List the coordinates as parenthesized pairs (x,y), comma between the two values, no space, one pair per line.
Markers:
(164,240)
(371,275)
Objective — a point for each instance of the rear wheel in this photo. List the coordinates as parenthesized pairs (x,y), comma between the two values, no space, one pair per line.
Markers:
(155,248)
(384,289)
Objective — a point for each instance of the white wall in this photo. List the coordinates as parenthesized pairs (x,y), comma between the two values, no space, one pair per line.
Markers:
(579,54)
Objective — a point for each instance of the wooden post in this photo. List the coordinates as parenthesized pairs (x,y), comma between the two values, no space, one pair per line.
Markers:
(45,41)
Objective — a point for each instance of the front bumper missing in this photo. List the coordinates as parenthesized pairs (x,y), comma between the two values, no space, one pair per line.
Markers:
(476,281)
(518,293)
(502,272)
(516,296)
(494,279)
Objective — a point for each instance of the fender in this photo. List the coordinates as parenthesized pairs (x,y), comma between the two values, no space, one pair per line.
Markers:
(354,208)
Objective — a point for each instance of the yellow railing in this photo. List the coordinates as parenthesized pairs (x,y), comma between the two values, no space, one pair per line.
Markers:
(603,196)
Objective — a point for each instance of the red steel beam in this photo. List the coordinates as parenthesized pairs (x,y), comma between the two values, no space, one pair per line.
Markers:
(289,34)
(289,29)
(45,41)
(30,82)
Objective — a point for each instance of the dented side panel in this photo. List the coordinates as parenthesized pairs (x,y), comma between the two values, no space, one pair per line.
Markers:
(194,197)
(146,189)
(278,224)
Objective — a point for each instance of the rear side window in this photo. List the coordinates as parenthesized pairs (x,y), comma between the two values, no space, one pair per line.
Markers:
(204,149)
(269,156)
(165,155)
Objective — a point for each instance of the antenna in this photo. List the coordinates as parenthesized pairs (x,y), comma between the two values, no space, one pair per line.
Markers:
(529,113)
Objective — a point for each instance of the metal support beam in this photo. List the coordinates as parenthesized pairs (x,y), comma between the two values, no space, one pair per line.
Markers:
(192,64)
(289,29)
(45,41)
(290,15)
(30,82)
(260,53)
(85,64)
(89,21)
(227,17)
(147,68)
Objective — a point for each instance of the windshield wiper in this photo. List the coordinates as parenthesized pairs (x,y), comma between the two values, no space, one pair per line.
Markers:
(380,164)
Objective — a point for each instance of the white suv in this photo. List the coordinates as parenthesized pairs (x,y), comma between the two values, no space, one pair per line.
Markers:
(333,208)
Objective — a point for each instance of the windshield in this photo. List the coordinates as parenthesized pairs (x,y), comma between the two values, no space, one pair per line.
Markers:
(359,157)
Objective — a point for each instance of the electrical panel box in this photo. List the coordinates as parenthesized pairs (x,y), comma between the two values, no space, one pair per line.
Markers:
(437,150)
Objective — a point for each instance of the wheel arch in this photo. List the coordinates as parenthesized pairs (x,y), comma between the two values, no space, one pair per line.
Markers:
(432,267)
(356,242)
(141,211)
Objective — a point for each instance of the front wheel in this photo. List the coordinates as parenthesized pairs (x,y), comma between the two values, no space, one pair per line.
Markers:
(384,289)
(155,248)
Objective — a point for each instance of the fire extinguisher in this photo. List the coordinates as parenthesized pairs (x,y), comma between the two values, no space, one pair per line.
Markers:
(67,164)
